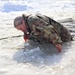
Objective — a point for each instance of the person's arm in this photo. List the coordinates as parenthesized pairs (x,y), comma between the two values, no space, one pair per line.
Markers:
(51,35)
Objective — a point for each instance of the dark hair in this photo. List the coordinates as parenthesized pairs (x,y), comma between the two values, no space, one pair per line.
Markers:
(18,21)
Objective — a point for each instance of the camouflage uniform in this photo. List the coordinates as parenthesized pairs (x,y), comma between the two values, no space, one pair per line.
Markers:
(46,29)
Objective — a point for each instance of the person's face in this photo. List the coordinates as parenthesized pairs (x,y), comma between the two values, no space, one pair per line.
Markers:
(21,27)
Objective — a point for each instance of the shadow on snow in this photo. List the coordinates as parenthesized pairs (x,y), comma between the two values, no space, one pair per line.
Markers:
(40,55)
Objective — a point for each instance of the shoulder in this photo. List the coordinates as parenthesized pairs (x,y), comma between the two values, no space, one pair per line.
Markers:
(32,17)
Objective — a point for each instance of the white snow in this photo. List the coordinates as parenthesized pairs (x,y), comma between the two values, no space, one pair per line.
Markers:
(19,58)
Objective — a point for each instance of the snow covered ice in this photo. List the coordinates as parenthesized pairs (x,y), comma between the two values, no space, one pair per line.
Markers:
(19,58)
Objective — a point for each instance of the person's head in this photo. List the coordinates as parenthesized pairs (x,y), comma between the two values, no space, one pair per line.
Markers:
(19,23)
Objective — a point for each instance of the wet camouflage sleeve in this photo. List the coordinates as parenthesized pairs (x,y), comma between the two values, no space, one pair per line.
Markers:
(50,34)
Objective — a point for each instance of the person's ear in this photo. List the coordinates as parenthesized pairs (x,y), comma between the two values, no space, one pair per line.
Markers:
(23,21)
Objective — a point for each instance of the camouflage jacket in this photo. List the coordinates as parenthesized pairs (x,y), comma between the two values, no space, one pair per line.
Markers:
(46,29)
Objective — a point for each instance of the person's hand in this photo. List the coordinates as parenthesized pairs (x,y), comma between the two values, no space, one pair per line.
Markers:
(26,37)
(59,47)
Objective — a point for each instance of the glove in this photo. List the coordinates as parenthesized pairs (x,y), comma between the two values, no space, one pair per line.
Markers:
(59,47)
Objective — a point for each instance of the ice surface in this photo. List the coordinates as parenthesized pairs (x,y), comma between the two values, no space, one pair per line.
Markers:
(17,57)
